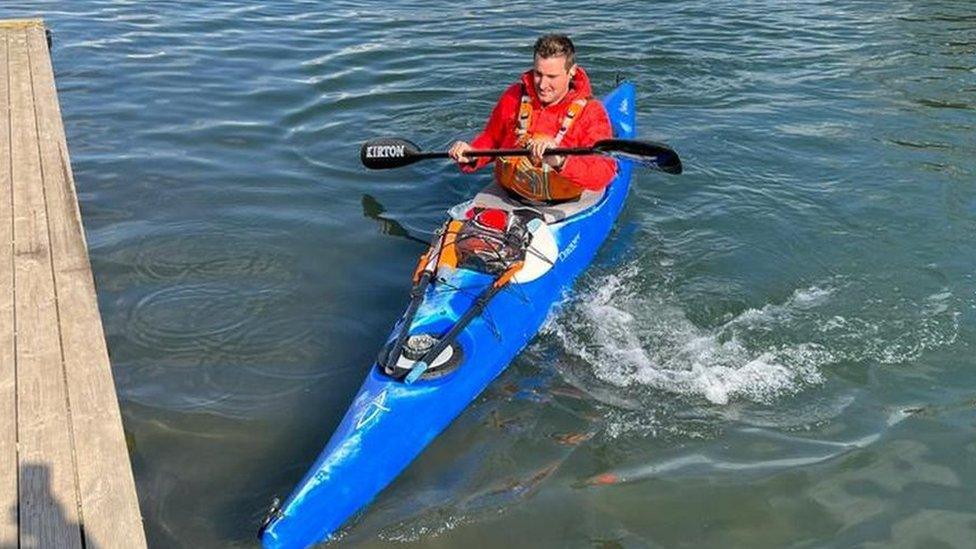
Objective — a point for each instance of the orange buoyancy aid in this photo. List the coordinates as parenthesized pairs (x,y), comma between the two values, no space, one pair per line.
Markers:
(519,175)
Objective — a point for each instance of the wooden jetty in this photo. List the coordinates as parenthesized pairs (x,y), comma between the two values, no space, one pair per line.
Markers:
(65,476)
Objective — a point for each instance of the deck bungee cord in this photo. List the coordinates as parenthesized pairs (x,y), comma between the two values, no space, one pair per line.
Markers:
(487,240)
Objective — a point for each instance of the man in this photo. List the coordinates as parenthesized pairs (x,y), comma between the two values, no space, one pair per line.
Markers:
(551,106)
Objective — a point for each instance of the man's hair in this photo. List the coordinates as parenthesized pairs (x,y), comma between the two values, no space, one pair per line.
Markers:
(555,45)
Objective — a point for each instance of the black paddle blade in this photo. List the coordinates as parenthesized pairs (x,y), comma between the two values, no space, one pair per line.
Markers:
(374,210)
(649,153)
(389,152)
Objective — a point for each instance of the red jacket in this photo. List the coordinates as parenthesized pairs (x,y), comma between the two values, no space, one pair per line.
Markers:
(592,172)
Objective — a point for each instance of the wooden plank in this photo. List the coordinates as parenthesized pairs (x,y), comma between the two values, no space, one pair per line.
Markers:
(47,485)
(21,24)
(8,387)
(109,504)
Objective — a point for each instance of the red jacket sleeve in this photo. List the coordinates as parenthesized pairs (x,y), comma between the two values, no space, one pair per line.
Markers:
(593,172)
(496,128)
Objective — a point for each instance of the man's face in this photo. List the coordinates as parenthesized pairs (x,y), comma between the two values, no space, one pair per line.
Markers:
(551,78)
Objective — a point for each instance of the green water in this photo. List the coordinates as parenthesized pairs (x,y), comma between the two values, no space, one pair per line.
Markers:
(774,349)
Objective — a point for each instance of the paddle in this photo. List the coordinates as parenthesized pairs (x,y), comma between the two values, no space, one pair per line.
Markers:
(374,210)
(391,152)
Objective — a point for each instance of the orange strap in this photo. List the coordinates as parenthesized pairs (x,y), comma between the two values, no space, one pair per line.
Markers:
(507,275)
(421,265)
(448,254)
(524,120)
(435,253)
(571,113)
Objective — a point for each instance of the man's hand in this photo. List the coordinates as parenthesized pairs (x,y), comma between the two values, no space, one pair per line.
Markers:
(457,151)
(538,146)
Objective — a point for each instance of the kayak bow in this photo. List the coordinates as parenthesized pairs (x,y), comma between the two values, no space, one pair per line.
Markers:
(391,421)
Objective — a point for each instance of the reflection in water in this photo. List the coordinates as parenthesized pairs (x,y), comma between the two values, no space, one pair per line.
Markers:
(374,210)
(804,452)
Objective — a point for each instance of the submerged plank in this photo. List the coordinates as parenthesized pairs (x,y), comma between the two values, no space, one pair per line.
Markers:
(48,512)
(8,387)
(109,505)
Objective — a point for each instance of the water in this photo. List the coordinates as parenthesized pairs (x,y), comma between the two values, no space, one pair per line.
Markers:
(773,349)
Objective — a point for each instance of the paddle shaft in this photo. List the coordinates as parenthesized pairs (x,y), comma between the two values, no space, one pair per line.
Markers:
(495,153)
(392,152)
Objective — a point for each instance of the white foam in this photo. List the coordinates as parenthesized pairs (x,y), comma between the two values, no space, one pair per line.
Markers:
(633,338)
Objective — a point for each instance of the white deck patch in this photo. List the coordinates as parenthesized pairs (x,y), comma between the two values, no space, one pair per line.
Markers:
(540,256)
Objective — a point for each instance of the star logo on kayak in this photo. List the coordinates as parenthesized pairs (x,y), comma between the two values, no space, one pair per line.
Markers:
(373,409)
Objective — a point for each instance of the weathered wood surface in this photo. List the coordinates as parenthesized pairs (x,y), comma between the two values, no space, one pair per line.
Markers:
(8,387)
(48,494)
(66,476)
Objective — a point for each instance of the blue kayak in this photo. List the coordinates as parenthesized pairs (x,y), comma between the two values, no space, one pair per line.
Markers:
(395,416)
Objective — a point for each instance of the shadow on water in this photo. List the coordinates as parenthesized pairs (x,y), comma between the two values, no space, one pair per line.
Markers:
(42,522)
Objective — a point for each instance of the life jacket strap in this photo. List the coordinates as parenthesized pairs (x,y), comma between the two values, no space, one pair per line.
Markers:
(538,182)
(524,121)
(571,114)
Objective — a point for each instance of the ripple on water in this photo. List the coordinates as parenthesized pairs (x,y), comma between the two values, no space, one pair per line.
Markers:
(224,388)
(193,251)
(196,318)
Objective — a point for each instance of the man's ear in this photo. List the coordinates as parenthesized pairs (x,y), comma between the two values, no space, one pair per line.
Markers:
(572,71)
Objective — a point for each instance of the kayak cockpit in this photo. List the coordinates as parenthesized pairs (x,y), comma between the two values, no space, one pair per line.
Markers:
(415,347)
(494,196)
(477,253)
